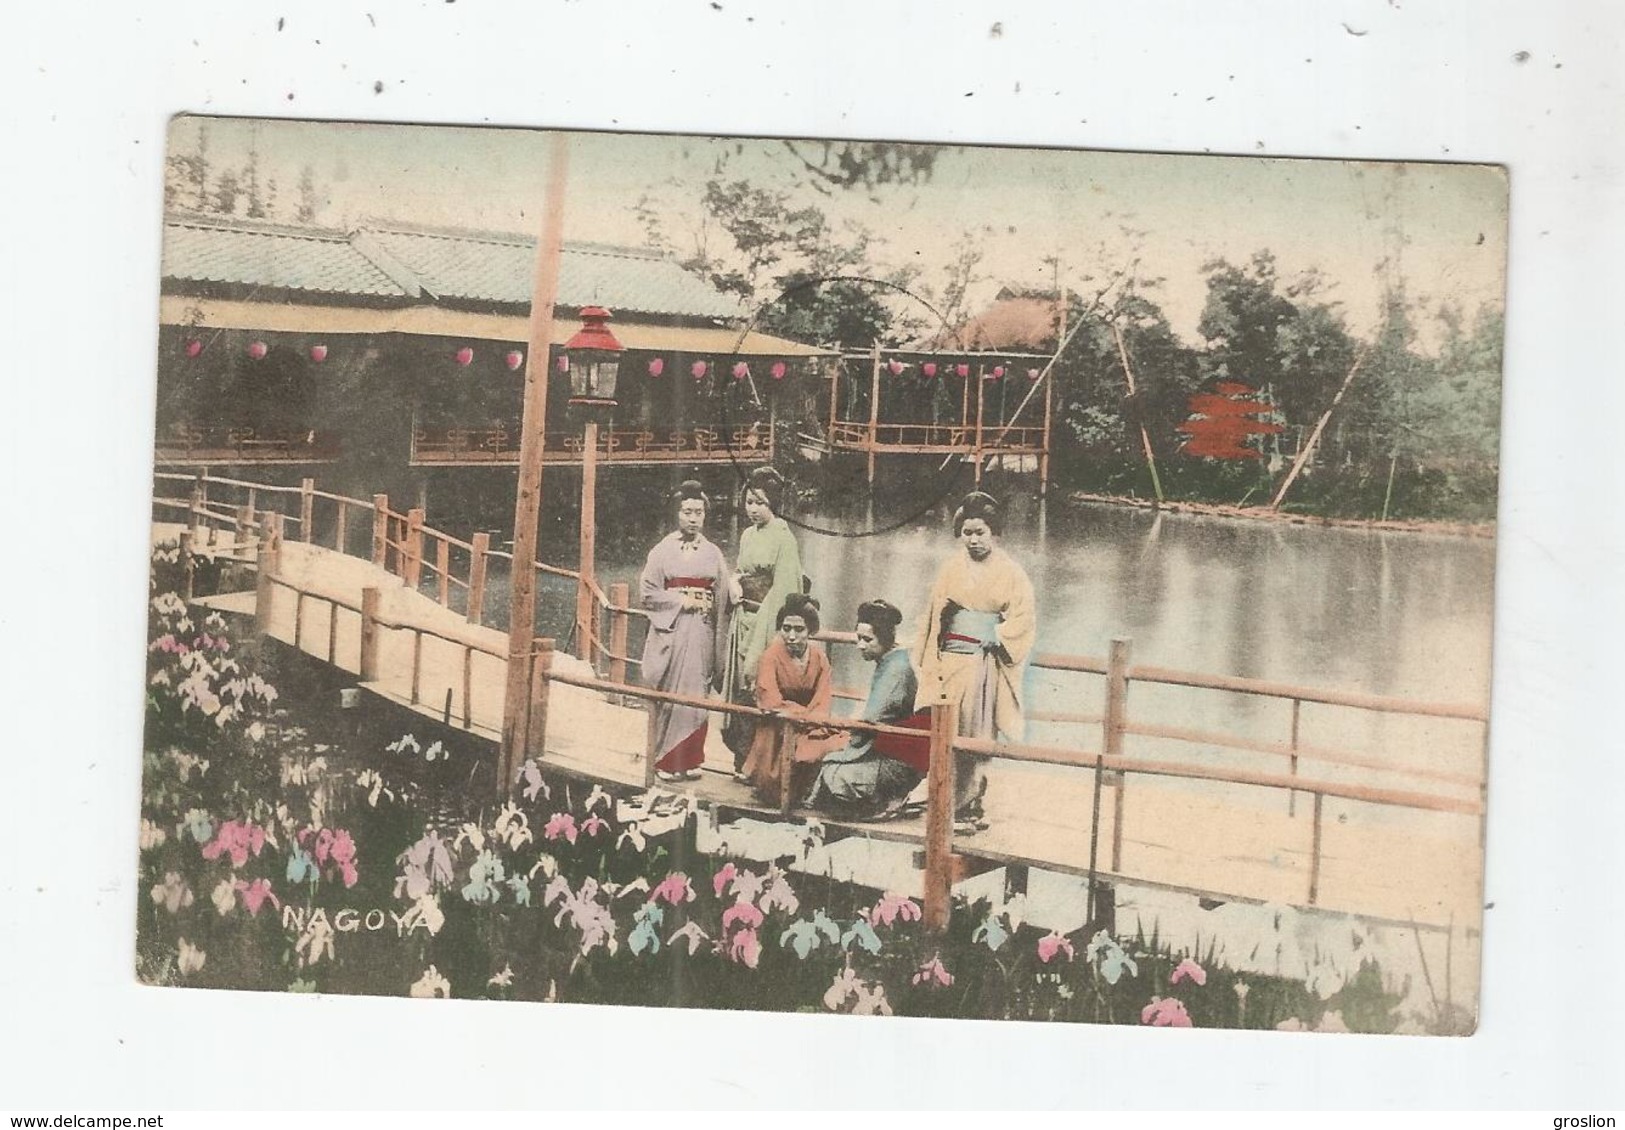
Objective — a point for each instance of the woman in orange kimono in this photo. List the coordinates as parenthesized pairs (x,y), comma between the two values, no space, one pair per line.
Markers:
(793,678)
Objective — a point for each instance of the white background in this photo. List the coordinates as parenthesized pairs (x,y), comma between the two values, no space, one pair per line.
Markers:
(87,91)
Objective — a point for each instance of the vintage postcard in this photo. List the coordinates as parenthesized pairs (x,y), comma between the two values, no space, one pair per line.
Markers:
(817,575)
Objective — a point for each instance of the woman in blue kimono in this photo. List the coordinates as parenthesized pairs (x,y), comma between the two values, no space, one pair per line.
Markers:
(860,779)
(685,588)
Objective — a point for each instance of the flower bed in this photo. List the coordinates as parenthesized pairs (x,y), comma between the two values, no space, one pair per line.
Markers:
(274,858)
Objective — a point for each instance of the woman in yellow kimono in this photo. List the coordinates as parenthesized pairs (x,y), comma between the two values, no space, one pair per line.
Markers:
(980,625)
(769,571)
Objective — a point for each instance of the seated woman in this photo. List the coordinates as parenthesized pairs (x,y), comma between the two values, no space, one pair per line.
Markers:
(793,678)
(859,778)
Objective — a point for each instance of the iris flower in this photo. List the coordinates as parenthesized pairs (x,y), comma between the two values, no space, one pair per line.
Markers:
(431,985)
(1165,1012)
(691,933)
(674,889)
(1053,944)
(255,893)
(172,894)
(745,948)
(561,825)
(894,907)
(1188,968)
(190,958)
(933,972)
(741,912)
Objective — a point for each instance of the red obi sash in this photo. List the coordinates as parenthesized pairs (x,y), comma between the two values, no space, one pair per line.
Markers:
(911,751)
(691,582)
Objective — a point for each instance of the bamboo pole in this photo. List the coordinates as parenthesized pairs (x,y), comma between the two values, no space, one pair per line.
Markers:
(532,450)
(939,818)
(480,546)
(586,603)
(1145,436)
(1320,426)
(874,410)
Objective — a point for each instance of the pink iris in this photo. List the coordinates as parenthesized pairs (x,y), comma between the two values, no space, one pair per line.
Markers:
(933,972)
(562,824)
(1165,1012)
(745,948)
(594,824)
(1188,968)
(722,878)
(674,888)
(255,893)
(741,912)
(893,907)
(1052,944)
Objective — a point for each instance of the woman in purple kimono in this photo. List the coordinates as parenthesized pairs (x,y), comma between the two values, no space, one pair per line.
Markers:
(685,587)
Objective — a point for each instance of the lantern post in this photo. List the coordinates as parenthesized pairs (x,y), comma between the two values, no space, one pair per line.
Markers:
(594,361)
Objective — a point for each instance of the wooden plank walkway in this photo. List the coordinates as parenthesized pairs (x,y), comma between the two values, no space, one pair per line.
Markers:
(1228,841)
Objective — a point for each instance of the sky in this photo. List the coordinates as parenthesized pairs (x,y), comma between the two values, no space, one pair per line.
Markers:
(1440,229)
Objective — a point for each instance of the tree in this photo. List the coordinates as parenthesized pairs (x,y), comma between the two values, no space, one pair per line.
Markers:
(305,210)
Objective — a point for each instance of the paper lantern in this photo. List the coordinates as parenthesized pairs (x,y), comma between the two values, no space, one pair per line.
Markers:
(895,367)
(698,369)
(194,347)
(779,370)
(997,373)
(257,350)
(563,363)
(657,365)
(929,368)
(318,353)
(514,359)
(465,356)
(1034,374)
(741,370)
(962,370)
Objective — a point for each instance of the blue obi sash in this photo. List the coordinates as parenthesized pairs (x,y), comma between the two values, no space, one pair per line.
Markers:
(965,632)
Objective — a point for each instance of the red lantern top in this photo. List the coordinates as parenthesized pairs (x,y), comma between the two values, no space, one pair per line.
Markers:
(594,334)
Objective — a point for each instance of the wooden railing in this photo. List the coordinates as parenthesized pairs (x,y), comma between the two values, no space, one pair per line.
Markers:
(936,437)
(398,544)
(500,444)
(188,443)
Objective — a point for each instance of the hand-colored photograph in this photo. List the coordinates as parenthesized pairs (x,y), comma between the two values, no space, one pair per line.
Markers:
(822,576)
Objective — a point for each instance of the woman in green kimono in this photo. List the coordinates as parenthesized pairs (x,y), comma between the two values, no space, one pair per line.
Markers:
(769,570)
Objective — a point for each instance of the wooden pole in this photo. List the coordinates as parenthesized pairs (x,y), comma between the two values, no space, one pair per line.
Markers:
(263,589)
(442,570)
(1314,853)
(196,511)
(332,633)
(1145,436)
(532,445)
(874,410)
(1292,795)
(586,602)
(298,618)
(468,688)
(369,635)
(836,370)
(380,530)
(536,733)
(939,817)
(1320,425)
(343,525)
(789,736)
(187,564)
(1112,734)
(413,572)
(307,509)
(650,753)
(619,622)
(417,666)
(981,404)
(481,545)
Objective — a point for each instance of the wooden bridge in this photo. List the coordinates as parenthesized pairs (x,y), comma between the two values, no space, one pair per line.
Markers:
(1384,838)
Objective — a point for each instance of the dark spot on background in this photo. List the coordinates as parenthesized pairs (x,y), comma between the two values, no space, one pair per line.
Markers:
(1521,57)
(996,31)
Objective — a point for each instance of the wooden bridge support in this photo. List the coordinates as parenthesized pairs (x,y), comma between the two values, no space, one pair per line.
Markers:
(380,530)
(939,817)
(586,599)
(619,625)
(476,576)
(369,635)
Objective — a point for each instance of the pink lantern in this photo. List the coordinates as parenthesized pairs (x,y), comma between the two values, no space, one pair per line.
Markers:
(741,370)
(563,363)
(779,370)
(514,359)
(895,367)
(698,369)
(1033,374)
(318,353)
(657,365)
(194,347)
(464,356)
(997,373)
(962,369)
(257,350)
(929,368)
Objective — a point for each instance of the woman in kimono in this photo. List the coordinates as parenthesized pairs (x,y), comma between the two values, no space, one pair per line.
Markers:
(685,589)
(858,778)
(792,679)
(769,571)
(980,625)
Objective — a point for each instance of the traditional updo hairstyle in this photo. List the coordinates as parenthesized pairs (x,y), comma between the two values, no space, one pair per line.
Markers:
(690,488)
(979,505)
(769,484)
(884,618)
(800,604)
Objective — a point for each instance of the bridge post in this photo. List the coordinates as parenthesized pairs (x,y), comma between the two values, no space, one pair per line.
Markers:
(271,535)
(369,635)
(263,589)
(789,735)
(540,687)
(413,569)
(619,595)
(195,513)
(1112,738)
(939,818)
(187,565)
(380,529)
(307,509)
(481,544)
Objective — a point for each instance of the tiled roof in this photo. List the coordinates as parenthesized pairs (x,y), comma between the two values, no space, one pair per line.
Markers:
(393,259)
(224,250)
